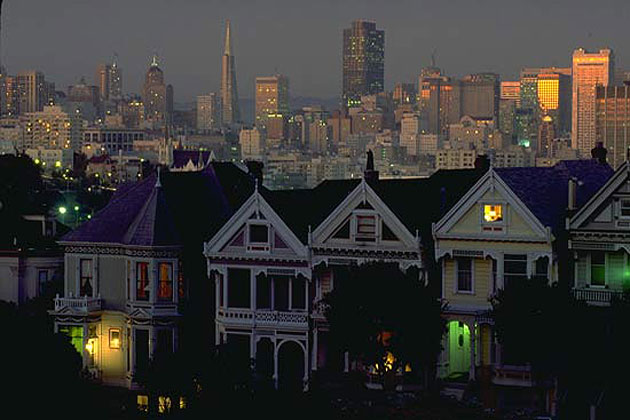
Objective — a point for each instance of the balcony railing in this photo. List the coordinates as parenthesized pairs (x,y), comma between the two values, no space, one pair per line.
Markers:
(515,375)
(597,296)
(82,304)
(263,317)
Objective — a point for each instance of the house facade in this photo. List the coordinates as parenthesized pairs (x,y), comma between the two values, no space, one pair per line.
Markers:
(504,230)
(599,242)
(127,274)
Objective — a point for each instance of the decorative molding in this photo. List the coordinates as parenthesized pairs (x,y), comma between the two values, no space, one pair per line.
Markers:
(122,250)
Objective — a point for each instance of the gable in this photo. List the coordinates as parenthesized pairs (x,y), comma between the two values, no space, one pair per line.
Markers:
(490,210)
(363,219)
(609,208)
(255,230)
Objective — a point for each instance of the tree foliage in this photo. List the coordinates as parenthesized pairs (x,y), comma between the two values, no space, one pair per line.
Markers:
(379,309)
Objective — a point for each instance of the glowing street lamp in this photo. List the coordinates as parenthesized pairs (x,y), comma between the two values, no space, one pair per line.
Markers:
(62,210)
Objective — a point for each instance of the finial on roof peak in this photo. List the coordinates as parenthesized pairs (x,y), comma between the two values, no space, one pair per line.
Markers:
(158,184)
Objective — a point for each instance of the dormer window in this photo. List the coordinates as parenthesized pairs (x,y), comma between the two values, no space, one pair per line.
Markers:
(258,237)
(492,213)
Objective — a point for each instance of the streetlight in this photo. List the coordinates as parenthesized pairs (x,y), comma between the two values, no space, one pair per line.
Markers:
(62,212)
(76,218)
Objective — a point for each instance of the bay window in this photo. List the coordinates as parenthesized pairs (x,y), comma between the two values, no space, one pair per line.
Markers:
(143,286)
(86,278)
(165,283)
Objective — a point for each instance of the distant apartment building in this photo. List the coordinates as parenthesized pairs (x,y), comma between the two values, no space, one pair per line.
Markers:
(589,70)
(340,127)
(51,128)
(480,94)
(455,158)
(208,112)
(404,94)
(51,160)
(109,81)
(252,142)
(410,132)
(33,92)
(113,139)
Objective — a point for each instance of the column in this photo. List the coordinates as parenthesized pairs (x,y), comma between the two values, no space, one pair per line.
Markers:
(314,360)
(275,363)
(217,289)
(500,280)
(252,289)
(226,282)
(153,276)
(473,336)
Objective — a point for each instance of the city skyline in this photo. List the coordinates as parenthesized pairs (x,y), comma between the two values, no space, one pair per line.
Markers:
(413,33)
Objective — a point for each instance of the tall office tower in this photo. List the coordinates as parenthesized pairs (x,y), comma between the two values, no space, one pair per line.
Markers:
(154,93)
(103,80)
(410,133)
(529,88)
(208,112)
(589,70)
(404,94)
(612,121)
(554,91)
(511,91)
(340,126)
(229,93)
(525,127)
(439,98)
(32,91)
(115,80)
(507,113)
(11,100)
(272,104)
(479,95)
(363,62)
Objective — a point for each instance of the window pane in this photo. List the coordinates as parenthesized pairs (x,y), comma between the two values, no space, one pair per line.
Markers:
(143,291)
(298,293)
(598,269)
(281,293)
(492,213)
(86,278)
(258,233)
(165,287)
(464,274)
(238,288)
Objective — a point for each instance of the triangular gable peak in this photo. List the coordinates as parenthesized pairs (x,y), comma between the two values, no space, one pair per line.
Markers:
(363,219)
(490,210)
(255,230)
(609,207)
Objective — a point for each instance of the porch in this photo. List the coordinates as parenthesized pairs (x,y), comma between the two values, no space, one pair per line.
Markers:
(597,296)
(263,318)
(80,305)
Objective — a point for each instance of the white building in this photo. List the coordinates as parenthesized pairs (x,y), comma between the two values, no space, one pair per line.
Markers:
(252,144)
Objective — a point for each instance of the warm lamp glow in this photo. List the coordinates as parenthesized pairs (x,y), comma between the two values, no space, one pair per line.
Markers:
(492,213)
(90,346)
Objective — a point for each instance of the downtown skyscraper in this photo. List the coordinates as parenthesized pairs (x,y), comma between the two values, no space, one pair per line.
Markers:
(229,93)
(363,61)
(589,71)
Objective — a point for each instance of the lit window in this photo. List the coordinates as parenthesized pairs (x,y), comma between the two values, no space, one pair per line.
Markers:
(86,278)
(114,338)
(142,281)
(492,213)
(165,286)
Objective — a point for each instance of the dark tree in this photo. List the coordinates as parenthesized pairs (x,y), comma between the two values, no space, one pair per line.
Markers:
(378,310)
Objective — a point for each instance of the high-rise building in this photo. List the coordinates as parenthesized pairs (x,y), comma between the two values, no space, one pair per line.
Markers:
(554,91)
(272,102)
(252,143)
(511,90)
(546,135)
(229,94)
(154,94)
(32,91)
(589,70)
(208,112)
(410,133)
(51,128)
(439,99)
(404,93)
(363,61)
(479,95)
(109,80)
(612,122)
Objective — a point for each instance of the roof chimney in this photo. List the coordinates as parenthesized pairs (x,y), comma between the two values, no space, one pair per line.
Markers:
(599,152)
(572,195)
(255,169)
(370,174)
(482,162)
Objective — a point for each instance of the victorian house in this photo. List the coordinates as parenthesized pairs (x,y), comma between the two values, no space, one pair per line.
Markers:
(129,270)
(505,229)
(283,251)
(599,242)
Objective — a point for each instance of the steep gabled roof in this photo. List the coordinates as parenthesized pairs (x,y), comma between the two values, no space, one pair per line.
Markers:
(189,206)
(544,190)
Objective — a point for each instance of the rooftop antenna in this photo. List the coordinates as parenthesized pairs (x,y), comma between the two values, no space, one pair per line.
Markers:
(433,54)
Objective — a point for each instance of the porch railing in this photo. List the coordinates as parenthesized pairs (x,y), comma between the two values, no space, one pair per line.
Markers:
(263,317)
(83,304)
(597,296)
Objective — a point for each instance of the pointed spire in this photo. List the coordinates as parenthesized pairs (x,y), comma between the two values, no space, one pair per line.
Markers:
(115,60)
(154,61)
(228,44)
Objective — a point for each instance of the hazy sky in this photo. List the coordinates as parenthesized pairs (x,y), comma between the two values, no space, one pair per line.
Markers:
(302,39)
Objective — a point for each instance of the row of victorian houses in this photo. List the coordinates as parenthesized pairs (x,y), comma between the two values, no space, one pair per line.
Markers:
(271,256)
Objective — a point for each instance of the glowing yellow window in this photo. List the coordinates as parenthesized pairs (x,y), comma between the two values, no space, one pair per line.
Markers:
(492,213)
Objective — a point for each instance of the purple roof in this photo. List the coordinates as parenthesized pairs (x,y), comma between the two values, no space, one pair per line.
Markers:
(187,207)
(545,190)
